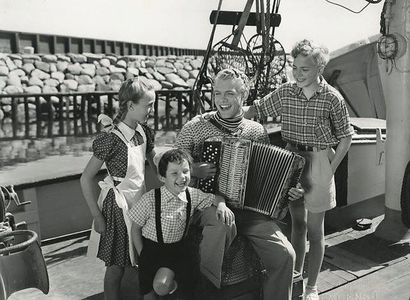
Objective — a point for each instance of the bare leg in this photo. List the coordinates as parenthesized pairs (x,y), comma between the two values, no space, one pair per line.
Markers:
(112,282)
(299,230)
(130,284)
(316,245)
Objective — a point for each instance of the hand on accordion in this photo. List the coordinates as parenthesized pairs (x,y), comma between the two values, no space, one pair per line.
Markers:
(224,214)
(296,193)
(203,170)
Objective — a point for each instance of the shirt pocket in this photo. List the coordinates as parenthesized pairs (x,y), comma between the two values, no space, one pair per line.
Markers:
(323,129)
(176,215)
(181,214)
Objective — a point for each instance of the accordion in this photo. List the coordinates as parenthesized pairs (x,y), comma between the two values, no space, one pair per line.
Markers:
(251,175)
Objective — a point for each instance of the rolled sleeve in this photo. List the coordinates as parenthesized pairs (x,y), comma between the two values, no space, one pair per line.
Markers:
(269,106)
(340,118)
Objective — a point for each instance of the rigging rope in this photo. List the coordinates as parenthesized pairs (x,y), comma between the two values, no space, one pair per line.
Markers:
(201,78)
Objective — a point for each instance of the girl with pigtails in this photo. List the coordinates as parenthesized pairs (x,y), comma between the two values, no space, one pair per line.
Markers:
(124,145)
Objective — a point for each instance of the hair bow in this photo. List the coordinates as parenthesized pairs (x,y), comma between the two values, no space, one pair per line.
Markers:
(106,122)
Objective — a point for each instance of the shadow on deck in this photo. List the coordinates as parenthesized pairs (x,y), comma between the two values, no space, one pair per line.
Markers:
(357,265)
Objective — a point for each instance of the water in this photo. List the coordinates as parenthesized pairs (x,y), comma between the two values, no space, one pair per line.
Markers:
(36,159)
(21,151)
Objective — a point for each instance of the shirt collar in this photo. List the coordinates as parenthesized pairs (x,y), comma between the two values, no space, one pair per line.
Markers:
(322,83)
(127,131)
(168,196)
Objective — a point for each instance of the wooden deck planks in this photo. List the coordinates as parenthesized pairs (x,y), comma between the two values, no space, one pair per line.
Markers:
(350,262)
(357,265)
(392,282)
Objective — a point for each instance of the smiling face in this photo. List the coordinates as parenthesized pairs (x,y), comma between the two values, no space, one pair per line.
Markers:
(177,176)
(306,72)
(229,96)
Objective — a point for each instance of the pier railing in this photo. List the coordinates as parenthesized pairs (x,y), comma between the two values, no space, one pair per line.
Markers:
(75,114)
(15,42)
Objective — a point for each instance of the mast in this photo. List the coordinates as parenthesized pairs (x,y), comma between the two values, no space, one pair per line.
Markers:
(394,69)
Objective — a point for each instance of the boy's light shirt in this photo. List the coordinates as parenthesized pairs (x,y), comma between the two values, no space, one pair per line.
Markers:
(181,197)
(173,212)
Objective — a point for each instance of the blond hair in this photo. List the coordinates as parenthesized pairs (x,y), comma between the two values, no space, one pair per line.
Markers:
(233,73)
(308,48)
(131,90)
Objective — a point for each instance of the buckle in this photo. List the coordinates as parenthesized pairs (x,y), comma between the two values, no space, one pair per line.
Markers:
(301,147)
(304,147)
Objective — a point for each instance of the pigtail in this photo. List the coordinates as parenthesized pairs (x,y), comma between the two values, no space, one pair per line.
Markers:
(121,113)
(123,98)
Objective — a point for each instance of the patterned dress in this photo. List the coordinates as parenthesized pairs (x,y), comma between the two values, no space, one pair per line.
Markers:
(108,147)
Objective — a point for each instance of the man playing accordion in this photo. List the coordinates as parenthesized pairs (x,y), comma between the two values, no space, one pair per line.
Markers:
(231,88)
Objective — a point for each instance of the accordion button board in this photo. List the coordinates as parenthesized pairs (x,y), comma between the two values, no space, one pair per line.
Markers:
(210,154)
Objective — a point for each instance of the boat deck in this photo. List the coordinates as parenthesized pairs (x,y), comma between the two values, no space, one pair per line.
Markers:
(357,265)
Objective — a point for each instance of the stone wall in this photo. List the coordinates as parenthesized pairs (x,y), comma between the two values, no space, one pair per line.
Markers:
(67,73)
(34,74)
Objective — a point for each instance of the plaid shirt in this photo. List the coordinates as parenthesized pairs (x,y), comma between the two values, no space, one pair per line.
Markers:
(173,212)
(320,121)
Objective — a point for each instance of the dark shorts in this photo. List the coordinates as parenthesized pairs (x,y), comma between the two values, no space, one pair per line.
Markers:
(174,256)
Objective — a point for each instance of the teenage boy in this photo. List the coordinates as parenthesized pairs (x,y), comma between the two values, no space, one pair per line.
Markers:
(314,120)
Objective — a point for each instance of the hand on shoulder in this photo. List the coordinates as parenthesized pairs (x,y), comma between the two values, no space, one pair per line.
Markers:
(249,111)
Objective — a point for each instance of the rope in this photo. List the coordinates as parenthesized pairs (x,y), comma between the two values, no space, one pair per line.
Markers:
(202,73)
(267,21)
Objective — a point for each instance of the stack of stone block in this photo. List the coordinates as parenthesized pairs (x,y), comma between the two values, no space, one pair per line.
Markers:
(87,72)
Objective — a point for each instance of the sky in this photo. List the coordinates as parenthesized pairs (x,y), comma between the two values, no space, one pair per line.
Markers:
(185,23)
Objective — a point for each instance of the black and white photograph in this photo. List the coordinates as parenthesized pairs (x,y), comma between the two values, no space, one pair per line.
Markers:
(205,150)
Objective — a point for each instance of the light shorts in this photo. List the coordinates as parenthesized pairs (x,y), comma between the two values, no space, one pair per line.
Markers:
(317,180)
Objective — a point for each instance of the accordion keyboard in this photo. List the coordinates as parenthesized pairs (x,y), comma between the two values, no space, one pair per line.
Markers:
(211,153)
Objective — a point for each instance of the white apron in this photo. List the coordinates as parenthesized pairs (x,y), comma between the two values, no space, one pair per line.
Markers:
(127,192)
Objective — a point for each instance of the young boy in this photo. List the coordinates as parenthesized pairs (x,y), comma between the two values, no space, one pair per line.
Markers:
(161,219)
(314,119)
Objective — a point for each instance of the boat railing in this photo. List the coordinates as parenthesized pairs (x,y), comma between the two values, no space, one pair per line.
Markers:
(26,115)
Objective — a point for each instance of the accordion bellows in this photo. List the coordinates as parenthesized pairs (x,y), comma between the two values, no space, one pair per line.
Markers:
(252,175)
